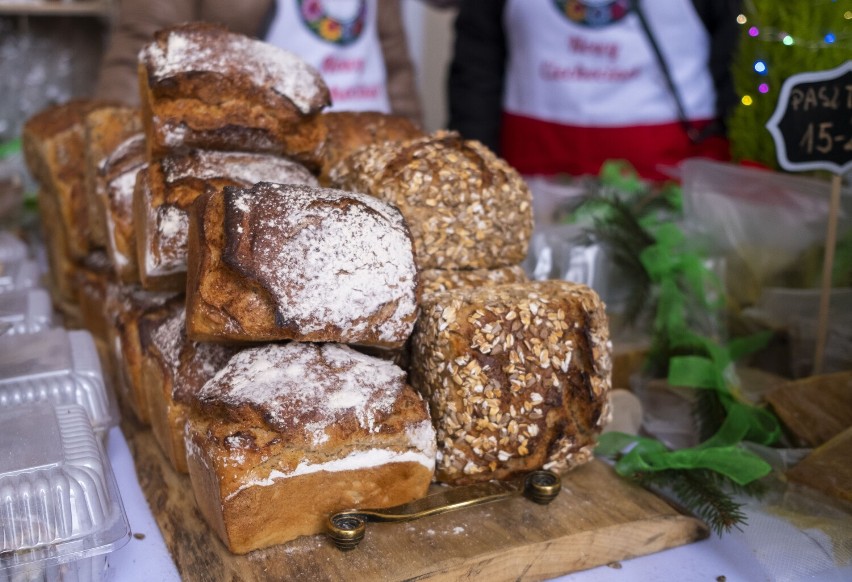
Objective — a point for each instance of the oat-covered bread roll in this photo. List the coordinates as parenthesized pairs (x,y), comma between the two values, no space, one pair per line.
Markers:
(517,377)
(131,308)
(284,435)
(173,368)
(117,176)
(437,280)
(467,209)
(207,88)
(167,188)
(106,128)
(345,132)
(277,262)
(54,145)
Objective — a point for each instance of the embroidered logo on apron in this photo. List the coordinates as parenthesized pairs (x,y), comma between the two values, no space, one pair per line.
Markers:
(593,13)
(334,28)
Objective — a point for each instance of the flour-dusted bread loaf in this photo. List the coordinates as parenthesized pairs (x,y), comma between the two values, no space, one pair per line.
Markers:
(207,88)
(517,377)
(345,132)
(130,307)
(437,280)
(117,176)
(284,435)
(54,145)
(106,128)
(467,209)
(173,368)
(171,184)
(275,262)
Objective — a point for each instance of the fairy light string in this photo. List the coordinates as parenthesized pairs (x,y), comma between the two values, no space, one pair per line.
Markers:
(757,29)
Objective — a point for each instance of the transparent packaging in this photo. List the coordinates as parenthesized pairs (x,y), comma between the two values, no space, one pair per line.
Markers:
(12,248)
(61,513)
(18,275)
(56,366)
(22,312)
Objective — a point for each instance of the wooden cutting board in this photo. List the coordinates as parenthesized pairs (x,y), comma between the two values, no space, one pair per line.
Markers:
(598,518)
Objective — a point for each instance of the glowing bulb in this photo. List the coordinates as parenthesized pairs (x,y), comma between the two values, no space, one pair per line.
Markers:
(763,88)
(788,40)
(760,66)
(741,19)
(829,38)
(747,100)
(753,31)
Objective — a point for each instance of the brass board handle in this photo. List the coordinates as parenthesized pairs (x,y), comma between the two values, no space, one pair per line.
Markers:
(347,528)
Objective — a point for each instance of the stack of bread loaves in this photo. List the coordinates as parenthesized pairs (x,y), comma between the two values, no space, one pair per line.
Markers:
(268,265)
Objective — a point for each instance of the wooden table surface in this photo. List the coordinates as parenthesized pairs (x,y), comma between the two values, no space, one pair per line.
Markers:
(597,519)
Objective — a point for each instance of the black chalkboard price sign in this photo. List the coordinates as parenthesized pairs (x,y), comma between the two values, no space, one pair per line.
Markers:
(812,123)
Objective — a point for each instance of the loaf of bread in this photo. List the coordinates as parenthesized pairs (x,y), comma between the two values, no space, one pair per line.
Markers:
(167,188)
(117,177)
(284,435)
(54,145)
(204,87)
(106,127)
(173,368)
(517,377)
(437,280)
(63,266)
(467,209)
(95,282)
(342,133)
(130,307)
(94,277)
(275,262)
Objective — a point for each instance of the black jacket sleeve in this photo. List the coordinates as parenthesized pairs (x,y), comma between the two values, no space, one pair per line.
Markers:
(720,19)
(475,83)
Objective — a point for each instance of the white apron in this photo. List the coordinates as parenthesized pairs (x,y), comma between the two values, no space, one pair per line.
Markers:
(339,38)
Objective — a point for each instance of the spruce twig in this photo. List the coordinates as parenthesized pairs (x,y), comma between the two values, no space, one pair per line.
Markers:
(703,493)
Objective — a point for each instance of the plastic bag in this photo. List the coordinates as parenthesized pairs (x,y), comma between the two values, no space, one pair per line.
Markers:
(769,227)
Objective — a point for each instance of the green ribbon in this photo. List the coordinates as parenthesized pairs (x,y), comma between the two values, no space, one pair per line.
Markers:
(10,147)
(646,455)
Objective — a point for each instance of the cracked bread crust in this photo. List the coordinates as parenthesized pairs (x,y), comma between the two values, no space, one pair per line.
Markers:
(205,87)
(279,262)
(284,435)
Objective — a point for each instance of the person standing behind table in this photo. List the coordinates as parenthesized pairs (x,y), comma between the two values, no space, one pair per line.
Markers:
(560,86)
(358,46)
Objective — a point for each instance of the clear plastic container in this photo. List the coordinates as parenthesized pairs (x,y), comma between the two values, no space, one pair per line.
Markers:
(12,248)
(56,366)
(61,512)
(28,311)
(18,275)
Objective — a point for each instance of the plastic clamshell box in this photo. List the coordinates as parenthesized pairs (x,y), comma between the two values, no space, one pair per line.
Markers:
(57,366)
(17,275)
(60,510)
(28,311)
(12,248)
